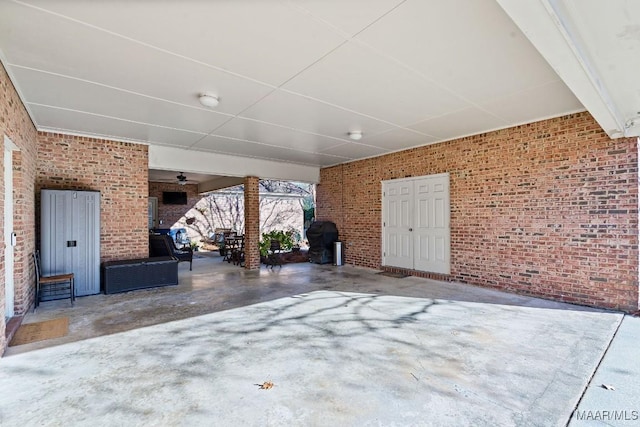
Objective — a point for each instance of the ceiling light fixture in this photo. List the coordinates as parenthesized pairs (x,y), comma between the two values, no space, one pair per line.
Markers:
(182,180)
(634,121)
(209,100)
(356,135)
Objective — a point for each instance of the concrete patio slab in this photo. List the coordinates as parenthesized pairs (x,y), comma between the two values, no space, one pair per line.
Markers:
(613,396)
(214,286)
(336,358)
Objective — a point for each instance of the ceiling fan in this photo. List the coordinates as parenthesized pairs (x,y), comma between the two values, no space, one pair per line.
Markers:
(182,180)
(170,177)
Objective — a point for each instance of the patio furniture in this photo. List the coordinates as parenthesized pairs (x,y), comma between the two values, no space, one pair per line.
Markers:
(274,257)
(52,287)
(179,236)
(237,251)
(133,274)
(162,245)
(221,236)
(234,247)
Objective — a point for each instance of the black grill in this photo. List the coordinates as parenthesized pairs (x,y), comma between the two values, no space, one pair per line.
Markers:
(321,235)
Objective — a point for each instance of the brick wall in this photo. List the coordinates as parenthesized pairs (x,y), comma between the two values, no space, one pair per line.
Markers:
(16,124)
(174,215)
(119,170)
(251,222)
(330,197)
(546,209)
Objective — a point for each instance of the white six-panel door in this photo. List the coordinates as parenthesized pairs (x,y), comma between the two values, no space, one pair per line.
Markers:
(431,224)
(397,216)
(416,230)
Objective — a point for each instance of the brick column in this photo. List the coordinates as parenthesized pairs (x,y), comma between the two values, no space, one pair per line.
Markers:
(251,223)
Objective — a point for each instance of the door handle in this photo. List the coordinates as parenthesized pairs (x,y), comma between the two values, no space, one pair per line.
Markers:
(411,229)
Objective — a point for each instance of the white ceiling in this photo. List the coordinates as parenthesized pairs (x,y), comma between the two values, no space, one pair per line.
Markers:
(293,77)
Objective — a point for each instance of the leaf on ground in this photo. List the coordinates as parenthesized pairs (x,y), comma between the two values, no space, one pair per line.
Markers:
(607,387)
(265,385)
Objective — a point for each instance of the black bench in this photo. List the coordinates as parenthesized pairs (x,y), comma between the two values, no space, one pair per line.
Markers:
(132,274)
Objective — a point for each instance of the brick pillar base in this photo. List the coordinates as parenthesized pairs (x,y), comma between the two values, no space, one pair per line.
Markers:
(251,223)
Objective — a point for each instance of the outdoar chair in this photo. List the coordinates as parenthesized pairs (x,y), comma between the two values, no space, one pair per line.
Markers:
(162,245)
(52,287)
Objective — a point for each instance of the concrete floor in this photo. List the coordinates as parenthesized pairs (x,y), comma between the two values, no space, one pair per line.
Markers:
(343,346)
(618,404)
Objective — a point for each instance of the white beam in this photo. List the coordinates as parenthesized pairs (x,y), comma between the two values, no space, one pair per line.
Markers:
(219,183)
(177,159)
(548,25)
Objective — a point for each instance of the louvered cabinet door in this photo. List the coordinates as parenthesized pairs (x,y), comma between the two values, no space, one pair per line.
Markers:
(70,237)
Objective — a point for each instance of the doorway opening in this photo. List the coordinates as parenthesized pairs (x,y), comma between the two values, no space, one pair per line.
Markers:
(9,234)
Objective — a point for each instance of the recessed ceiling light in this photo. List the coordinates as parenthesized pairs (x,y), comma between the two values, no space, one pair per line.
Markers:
(209,100)
(356,135)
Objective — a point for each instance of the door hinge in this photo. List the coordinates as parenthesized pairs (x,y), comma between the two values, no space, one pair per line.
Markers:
(384,224)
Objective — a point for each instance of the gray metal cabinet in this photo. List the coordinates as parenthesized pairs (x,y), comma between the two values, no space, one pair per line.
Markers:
(70,237)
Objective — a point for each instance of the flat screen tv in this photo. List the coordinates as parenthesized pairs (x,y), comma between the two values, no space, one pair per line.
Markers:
(174,197)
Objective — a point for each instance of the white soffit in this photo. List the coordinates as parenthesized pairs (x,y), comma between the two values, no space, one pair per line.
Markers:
(171,158)
(219,183)
(594,46)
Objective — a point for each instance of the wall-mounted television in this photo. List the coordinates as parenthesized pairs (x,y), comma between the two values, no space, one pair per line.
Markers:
(174,197)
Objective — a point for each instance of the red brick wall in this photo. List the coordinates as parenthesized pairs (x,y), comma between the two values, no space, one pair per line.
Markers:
(16,124)
(330,197)
(547,209)
(252,222)
(119,170)
(171,215)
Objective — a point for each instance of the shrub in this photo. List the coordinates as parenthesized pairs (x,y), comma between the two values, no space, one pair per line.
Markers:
(285,237)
